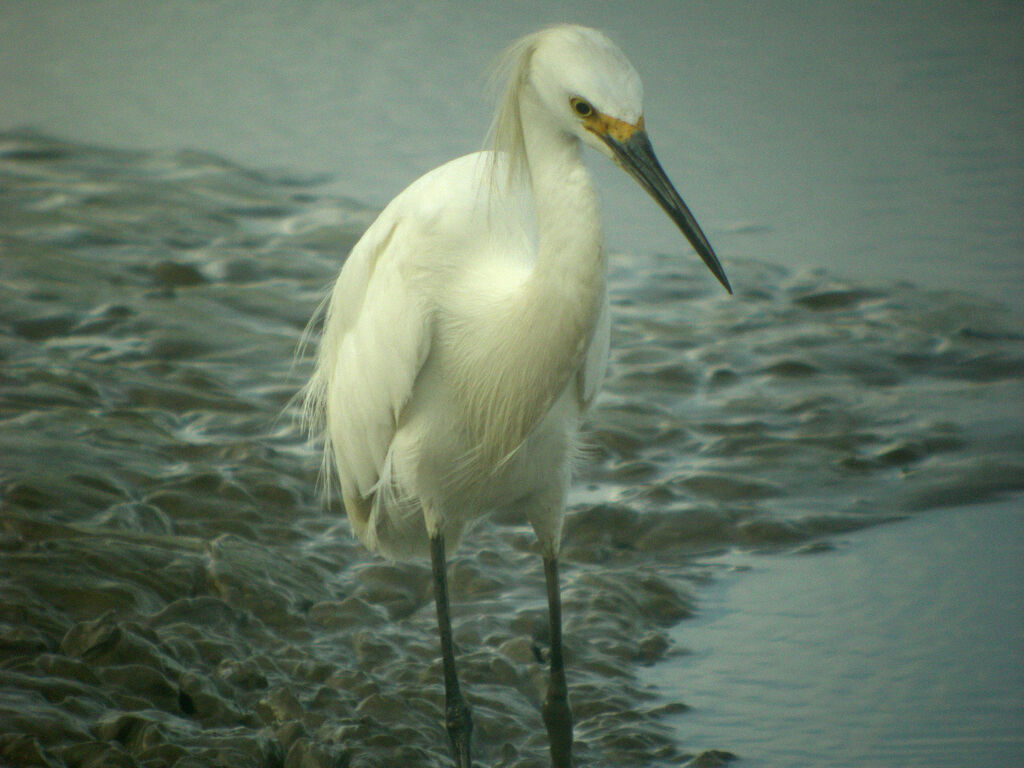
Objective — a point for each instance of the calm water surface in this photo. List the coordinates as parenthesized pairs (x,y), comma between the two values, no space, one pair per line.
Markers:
(886,650)
(173,593)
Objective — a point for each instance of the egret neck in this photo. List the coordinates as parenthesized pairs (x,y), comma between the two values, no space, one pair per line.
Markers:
(565,200)
(566,289)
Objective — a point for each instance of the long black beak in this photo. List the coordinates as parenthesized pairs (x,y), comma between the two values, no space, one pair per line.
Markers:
(636,156)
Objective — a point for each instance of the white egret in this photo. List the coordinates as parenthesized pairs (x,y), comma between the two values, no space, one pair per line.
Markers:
(468,330)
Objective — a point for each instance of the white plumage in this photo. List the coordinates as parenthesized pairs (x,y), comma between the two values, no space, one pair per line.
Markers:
(468,330)
(441,354)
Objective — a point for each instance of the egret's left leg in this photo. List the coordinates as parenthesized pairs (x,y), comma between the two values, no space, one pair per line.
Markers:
(557,715)
(458,721)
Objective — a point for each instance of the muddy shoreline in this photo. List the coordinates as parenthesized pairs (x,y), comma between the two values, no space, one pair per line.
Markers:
(174,592)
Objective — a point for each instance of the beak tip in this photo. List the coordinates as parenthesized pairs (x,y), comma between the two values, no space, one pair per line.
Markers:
(635,155)
(725,283)
(722,279)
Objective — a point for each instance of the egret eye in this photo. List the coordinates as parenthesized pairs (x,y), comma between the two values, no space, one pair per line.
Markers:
(581,107)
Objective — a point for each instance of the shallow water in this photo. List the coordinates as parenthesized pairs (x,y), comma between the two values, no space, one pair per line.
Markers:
(173,593)
(900,645)
(881,141)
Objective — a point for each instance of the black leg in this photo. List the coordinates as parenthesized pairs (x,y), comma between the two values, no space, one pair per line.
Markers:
(457,719)
(557,715)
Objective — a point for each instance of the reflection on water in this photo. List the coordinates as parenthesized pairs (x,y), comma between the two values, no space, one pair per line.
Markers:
(172,591)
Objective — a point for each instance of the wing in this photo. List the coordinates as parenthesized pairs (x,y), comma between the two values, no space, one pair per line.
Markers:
(378,324)
(374,344)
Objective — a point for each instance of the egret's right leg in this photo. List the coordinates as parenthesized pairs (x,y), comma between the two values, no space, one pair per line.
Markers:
(556,711)
(457,719)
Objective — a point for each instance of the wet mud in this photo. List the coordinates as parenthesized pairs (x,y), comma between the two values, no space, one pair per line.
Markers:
(173,591)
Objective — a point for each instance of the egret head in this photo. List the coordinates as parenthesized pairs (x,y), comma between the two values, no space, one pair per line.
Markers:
(580,76)
(590,90)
